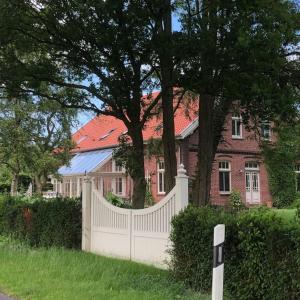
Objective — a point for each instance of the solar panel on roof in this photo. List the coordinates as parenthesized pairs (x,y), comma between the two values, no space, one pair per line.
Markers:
(85,162)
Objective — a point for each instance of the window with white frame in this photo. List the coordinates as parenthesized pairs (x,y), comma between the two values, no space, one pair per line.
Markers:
(74,187)
(236,121)
(161,177)
(148,177)
(252,165)
(55,185)
(117,167)
(119,190)
(67,187)
(224,177)
(266,131)
(297,171)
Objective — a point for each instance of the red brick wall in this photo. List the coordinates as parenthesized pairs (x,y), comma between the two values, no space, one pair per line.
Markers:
(151,167)
(237,152)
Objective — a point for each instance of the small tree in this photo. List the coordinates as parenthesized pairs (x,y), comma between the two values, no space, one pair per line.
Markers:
(35,138)
(15,146)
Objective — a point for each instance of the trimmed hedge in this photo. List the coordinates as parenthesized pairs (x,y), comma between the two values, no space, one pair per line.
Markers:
(42,223)
(262,253)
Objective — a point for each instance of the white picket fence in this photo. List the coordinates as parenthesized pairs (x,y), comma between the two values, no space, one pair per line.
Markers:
(140,235)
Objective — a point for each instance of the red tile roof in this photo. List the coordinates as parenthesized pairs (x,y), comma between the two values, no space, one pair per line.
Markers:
(103,131)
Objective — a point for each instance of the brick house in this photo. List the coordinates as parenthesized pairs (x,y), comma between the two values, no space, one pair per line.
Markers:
(238,163)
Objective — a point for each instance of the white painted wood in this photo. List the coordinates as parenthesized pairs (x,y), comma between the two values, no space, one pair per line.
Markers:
(78,187)
(140,235)
(218,272)
(252,187)
(86,214)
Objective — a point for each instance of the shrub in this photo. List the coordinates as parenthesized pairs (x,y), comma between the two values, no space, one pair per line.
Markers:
(192,240)
(55,222)
(262,253)
(116,201)
(235,201)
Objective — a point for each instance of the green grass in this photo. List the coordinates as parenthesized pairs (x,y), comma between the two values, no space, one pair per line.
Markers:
(60,274)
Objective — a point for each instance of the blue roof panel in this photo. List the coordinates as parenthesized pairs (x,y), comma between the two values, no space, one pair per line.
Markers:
(85,162)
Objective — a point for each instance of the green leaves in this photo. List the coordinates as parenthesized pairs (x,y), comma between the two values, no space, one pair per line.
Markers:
(280,159)
(55,223)
(261,252)
(30,132)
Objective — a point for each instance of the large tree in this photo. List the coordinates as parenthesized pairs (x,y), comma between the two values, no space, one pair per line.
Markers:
(100,49)
(237,52)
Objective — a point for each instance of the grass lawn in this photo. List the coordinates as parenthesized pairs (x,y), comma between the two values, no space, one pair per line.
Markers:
(59,274)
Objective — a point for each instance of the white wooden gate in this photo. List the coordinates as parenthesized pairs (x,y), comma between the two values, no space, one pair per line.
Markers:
(140,235)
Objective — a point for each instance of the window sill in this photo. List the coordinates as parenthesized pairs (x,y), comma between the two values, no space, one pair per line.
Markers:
(161,193)
(237,137)
(225,193)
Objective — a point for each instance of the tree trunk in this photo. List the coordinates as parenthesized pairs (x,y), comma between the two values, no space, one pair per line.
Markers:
(206,151)
(168,136)
(137,171)
(14,185)
(39,185)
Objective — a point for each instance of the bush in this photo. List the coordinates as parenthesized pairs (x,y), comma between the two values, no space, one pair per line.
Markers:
(43,223)
(262,253)
(235,201)
(116,201)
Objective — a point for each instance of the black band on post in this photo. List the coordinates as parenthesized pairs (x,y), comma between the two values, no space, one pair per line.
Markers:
(218,255)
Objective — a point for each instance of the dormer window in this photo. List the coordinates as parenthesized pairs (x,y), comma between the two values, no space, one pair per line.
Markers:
(106,134)
(236,126)
(266,131)
(83,138)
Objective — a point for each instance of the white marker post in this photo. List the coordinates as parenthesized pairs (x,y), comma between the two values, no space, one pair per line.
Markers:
(218,263)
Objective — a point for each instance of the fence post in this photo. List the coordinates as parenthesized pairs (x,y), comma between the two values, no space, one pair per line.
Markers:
(218,263)
(182,189)
(86,214)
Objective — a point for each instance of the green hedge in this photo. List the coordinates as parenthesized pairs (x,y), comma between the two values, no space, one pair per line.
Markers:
(262,253)
(42,223)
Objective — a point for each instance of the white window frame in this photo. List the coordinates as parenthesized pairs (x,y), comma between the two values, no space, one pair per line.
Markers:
(116,168)
(161,171)
(251,166)
(117,181)
(226,167)
(237,118)
(266,123)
